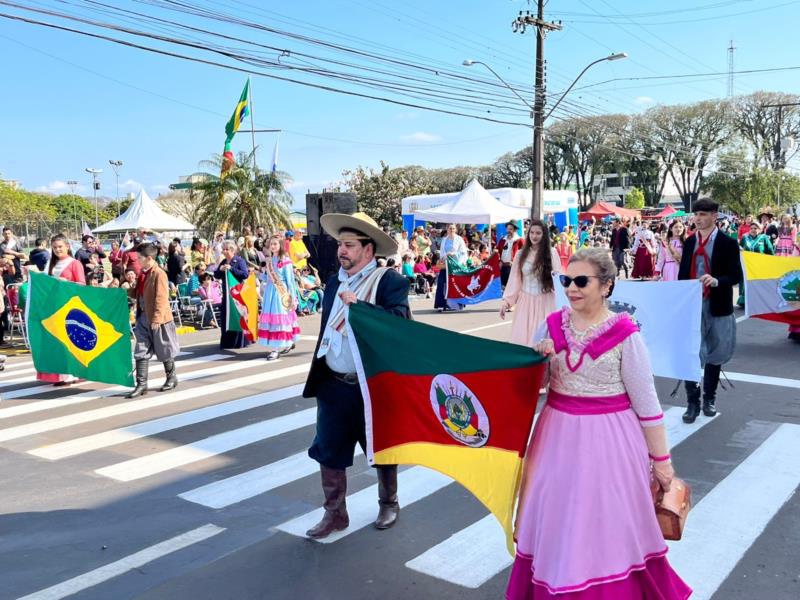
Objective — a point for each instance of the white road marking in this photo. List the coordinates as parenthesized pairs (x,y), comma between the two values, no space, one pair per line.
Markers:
(479,562)
(740,319)
(231,490)
(415,484)
(152,400)
(727,521)
(493,325)
(132,561)
(145,466)
(157,366)
(763,379)
(147,428)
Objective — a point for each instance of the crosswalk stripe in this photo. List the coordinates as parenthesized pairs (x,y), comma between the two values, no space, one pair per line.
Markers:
(123,565)
(231,490)
(764,380)
(154,367)
(147,428)
(145,466)
(726,522)
(149,402)
(50,403)
(481,547)
(28,370)
(415,484)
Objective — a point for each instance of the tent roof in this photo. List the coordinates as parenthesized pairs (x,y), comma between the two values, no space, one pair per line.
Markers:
(474,205)
(145,213)
(668,210)
(604,209)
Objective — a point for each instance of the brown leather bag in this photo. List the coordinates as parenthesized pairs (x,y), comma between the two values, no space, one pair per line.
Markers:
(672,507)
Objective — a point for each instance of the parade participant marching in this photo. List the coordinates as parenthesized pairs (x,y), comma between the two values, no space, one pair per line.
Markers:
(277,323)
(155,328)
(332,378)
(754,241)
(530,285)
(62,266)
(238,267)
(644,250)
(586,527)
(508,246)
(451,245)
(669,258)
(713,258)
(786,245)
(620,242)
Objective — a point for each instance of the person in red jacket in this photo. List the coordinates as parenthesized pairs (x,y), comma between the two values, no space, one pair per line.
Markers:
(508,247)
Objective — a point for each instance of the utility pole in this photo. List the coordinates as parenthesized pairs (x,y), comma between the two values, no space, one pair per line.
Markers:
(731,50)
(519,25)
(116,165)
(72,183)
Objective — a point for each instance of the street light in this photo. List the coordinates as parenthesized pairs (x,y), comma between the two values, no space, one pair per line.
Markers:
(116,165)
(72,184)
(95,187)
(537,183)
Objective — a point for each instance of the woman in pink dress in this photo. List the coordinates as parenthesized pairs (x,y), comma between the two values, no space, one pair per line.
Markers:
(669,257)
(62,266)
(530,284)
(586,528)
(786,244)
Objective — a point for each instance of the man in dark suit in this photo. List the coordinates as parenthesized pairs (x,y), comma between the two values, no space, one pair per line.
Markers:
(713,258)
(620,242)
(332,378)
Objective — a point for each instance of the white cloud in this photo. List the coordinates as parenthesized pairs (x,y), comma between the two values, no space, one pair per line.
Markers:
(160,187)
(60,187)
(129,185)
(421,137)
(643,100)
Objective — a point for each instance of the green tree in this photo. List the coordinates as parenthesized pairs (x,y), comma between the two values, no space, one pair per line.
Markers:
(634,199)
(247,196)
(379,192)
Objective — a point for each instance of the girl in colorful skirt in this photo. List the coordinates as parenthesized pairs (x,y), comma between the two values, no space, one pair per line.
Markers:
(277,325)
(586,528)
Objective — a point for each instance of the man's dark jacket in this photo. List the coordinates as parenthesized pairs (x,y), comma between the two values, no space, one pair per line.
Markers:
(392,297)
(725,268)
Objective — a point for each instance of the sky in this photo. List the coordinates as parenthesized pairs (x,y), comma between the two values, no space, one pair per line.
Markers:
(69,102)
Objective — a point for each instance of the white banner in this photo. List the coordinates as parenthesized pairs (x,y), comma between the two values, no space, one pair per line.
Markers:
(668,314)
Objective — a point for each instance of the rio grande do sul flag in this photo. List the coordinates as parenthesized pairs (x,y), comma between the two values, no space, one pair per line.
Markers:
(458,404)
(242,310)
(79,330)
(772,287)
(473,285)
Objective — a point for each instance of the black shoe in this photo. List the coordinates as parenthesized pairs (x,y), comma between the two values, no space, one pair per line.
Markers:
(692,412)
(172,379)
(709,409)
(795,336)
(142,366)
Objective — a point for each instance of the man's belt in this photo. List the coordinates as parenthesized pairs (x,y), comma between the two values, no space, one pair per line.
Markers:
(506,264)
(348,378)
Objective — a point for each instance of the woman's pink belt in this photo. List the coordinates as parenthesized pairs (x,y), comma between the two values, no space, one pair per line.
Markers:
(588,405)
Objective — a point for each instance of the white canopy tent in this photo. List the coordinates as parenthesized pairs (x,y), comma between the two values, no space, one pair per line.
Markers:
(145,213)
(472,205)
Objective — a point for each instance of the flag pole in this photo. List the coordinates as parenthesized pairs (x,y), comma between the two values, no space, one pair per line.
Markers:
(252,126)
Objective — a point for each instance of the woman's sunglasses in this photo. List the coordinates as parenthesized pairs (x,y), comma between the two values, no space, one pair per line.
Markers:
(580,281)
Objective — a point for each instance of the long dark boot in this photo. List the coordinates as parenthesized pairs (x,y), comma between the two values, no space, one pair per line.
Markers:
(389,508)
(334,486)
(710,383)
(172,379)
(692,401)
(142,366)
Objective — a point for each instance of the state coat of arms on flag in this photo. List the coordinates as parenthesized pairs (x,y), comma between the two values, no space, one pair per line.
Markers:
(455,403)
(79,330)
(772,287)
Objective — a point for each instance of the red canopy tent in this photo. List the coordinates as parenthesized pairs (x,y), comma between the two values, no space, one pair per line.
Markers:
(668,210)
(603,209)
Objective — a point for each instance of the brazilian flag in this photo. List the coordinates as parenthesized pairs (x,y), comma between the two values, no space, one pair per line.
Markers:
(79,330)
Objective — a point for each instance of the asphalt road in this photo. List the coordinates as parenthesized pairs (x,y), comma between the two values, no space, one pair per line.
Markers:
(193,494)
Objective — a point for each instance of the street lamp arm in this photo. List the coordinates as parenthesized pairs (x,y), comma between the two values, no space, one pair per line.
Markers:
(469,63)
(586,68)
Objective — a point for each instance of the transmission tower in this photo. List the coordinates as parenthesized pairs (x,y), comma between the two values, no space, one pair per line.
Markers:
(731,50)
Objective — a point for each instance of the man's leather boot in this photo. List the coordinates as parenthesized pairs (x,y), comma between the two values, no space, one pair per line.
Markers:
(334,486)
(710,382)
(172,379)
(692,402)
(142,366)
(389,508)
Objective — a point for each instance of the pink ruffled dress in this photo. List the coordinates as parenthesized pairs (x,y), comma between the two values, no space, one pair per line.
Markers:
(586,527)
(277,324)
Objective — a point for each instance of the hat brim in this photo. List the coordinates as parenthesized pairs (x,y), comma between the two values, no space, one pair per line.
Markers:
(332,223)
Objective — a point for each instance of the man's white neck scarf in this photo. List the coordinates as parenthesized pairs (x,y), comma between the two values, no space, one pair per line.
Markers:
(364,285)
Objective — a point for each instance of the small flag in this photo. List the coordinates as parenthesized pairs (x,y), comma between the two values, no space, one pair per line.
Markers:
(274,167)
(239,113)
(242,309)
(228,160)
(772,287)
(86,230)
(455,403)
(79,330)
(473,285)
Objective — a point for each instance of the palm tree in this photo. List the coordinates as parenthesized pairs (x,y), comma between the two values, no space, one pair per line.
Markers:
(245,196)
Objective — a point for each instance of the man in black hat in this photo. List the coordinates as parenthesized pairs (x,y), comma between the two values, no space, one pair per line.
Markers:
(508,247)
(713,258)
(332,378)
